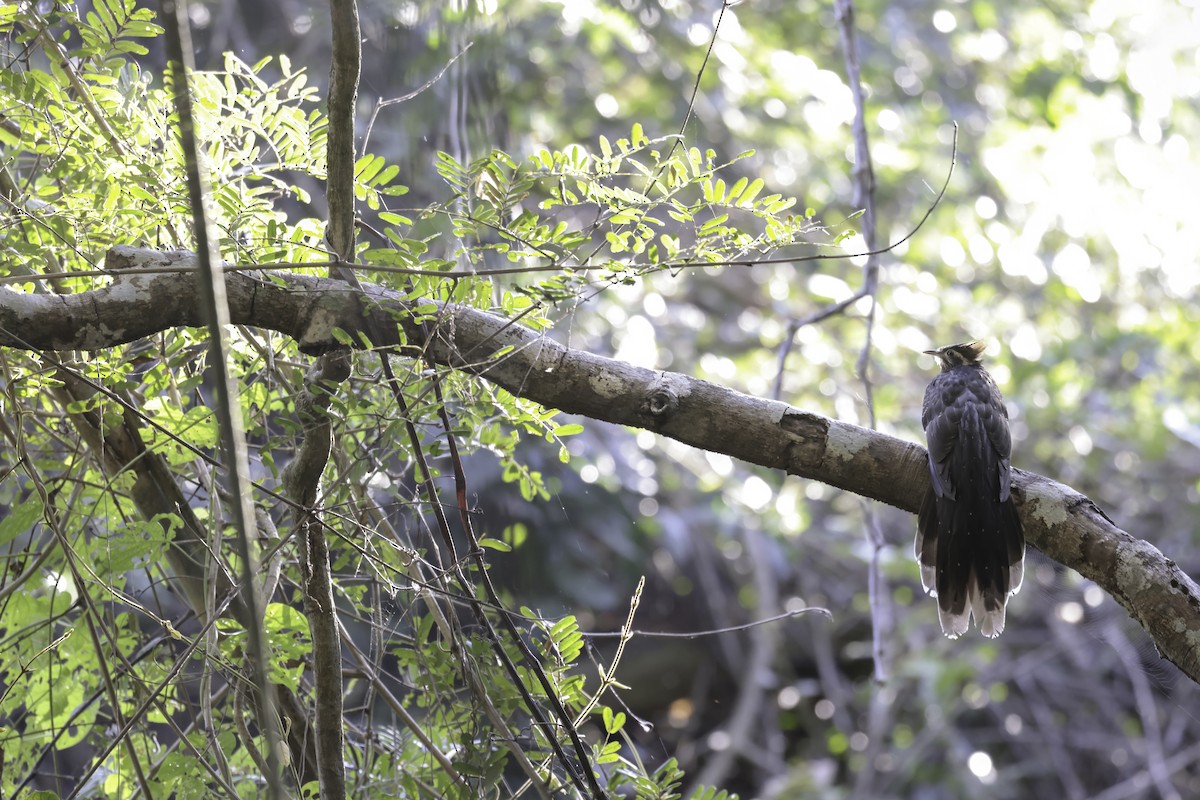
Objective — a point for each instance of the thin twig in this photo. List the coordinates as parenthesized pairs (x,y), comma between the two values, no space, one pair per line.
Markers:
(399,710)
(637,267)
(879,594)
(446,622)
(842,305)
(1135,786)
(82,91)
(425,477)
(531,660)
(233,439)
(1147,709)
(864,198)
(687,117)
(711,631)
(864,191)
(382,104)
(91,613)
(743,721)
(1055,751)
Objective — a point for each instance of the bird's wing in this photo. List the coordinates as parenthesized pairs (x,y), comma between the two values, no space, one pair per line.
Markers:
(993,418)
(941,435)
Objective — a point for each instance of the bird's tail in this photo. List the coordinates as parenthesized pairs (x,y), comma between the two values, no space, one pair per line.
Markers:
(972,559)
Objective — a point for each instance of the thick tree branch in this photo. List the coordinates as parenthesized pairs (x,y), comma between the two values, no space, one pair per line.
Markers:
(301,482)
(1059,521)
(330,369)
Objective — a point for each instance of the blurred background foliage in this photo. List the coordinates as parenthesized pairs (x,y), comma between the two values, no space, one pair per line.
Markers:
(1067,238)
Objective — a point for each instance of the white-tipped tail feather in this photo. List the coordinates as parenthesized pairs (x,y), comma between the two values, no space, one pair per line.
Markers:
(989,620)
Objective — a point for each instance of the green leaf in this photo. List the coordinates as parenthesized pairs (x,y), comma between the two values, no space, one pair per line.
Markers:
(775,206)
(386,176)
(736,190)
(563,626)
(394,219)
(450,170)
(495,544)
(515,534)
(610,753)
(367,167)
(752,191)
(714,223)
(21,519)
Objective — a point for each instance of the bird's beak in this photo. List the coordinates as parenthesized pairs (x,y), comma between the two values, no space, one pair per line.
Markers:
(930,352)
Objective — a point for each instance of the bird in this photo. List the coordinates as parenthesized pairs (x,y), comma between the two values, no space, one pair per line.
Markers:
(970,544)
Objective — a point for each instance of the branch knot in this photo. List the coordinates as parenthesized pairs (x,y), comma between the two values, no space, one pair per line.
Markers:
(662,403)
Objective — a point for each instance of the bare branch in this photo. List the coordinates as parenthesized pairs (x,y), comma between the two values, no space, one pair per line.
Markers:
(1059,521)
(882,615)
(330,369)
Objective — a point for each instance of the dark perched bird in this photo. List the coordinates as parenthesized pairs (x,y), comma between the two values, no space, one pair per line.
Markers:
(970,545)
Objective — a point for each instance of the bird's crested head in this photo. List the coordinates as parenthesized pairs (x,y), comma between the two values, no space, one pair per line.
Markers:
(957,355)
